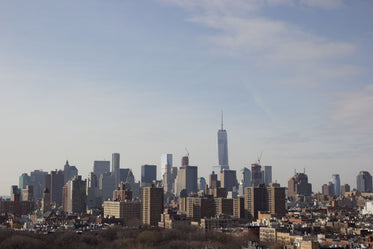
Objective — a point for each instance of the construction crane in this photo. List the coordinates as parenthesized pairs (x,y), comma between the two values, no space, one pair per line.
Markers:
(260,157)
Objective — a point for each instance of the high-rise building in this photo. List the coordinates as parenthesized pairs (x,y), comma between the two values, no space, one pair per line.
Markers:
(74,196)
(94,200)
(125,210)
(115,168)
(337,184)
(36,180)
(256,175)
(132,185)
(101,167)
(228,179)
(45,201)
(223,147)
(28,193)
(24,180)
(266,199)
(213,181)
(201,183)
(151,205)
(106,185)
(328,189)
(122,194)
(364,181)
(244,177)
(166,159)
(124,174)
(148,174)
(267,175)
(57,179)
(186,179)
(345,188)
(69,172)
(298,185)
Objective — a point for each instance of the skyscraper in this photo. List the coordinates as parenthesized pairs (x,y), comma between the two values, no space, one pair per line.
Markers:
(267,175)
(166,159)
(74,195)
(101,167)
(148,174)
(298,184)
(364,181)
(69,172)
(337,184)
(223,147)
(228,179)
(256,175)
(115,168)
(151,205)
(186,178)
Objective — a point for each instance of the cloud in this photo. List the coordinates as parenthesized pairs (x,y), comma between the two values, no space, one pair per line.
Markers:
(324,4)
(241,31)
(352,111)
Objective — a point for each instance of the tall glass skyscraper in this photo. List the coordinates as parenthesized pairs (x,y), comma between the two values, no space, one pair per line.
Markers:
(166,159)
(337,184)
(223,147)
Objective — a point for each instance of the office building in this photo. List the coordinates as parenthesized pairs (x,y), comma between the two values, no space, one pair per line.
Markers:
(328,189)
(107,186)
(256,175)
(28,193)
(148,174)
(94,200)
(124,174)
(57,178)
(337,184)
(45,201)
(166,159)
(267,175)
(132,185)
(244,177)
(201,184)
(151,205)
(213,180)
(345,188)
(101,167)
(298,185)
(364,181)
(115,164)
(223,147)
(228,179)
(74,196)
(187,179)
(69,172)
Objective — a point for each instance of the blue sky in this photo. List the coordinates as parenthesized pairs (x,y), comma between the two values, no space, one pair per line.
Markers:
(80,80)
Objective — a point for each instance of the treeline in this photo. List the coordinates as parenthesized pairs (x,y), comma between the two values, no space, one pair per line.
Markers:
(118,237)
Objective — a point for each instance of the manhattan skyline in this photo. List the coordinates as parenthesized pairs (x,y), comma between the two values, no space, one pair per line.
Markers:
(80,81)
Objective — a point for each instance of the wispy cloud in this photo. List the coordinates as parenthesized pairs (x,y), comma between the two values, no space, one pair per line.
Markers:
(242,31)
(352,111)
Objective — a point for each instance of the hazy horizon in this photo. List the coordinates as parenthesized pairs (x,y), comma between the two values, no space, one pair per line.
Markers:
(82,80)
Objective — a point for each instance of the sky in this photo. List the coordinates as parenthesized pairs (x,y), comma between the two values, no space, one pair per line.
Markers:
(80,80)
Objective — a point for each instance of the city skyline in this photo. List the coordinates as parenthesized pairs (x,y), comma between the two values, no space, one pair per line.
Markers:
(147,78)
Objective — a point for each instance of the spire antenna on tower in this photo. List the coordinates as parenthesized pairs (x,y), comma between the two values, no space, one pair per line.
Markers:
(222,119)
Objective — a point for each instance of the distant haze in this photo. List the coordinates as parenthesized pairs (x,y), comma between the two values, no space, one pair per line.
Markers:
(80,80)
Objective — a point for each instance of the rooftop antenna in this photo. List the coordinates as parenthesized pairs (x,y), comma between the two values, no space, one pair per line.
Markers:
(222,119)
(187,151)
(304,170)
